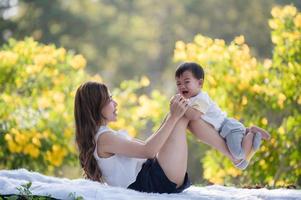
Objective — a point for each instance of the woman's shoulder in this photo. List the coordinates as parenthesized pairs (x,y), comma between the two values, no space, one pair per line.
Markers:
(105,129)
(102,129)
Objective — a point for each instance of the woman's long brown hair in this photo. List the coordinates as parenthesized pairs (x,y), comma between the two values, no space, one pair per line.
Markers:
(90,98)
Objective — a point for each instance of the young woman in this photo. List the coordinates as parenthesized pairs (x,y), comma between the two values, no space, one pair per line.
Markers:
(158,164)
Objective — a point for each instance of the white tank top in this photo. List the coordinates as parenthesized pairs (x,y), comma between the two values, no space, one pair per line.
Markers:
(118,170)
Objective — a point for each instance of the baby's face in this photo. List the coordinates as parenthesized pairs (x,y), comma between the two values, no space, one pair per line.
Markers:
(188,85)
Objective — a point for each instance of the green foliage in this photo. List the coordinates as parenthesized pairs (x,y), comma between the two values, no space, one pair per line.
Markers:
(74,197)
(263,93)
(38,84)
(119,37)
(25,193)
(36,104)
(137,110)
(25,189)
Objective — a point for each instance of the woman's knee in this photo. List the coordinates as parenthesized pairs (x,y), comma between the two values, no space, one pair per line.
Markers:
(183,120)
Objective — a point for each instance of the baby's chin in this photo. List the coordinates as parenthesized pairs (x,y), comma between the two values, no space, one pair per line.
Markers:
(186,95)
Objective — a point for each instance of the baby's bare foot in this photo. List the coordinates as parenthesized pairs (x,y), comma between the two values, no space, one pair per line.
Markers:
(264,134)
(236,161)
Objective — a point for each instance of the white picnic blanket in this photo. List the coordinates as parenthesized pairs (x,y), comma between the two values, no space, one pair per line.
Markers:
(61,188)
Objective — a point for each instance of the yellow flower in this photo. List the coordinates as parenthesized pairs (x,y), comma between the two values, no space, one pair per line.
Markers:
(230,79)
(281,99)
(280,183)
(31,150)
(60,107)
(132,131)
(256,88)
(234,172)
(281,130)
(142,99)
(36,141)
(180,45)
(6,98)
(244,101)
(48,49)
(56,155)
(21,139)
(239,40)
(297,21)
(13,147)
(276,39)
(8,58)
(219,42)
(78,62)
(289,10)
(8,137)
(243,85)
(96,78)
(68,133)
(179,54)
(263,164)
(61,54)
(299,100)
(211,80)
(46,134)
(144,81)
(264,121)
(267,63)
(132,98)
(273,24)
(44,59)
(33,69)
(44,102)
(59,80)
(276,12)
(58,97)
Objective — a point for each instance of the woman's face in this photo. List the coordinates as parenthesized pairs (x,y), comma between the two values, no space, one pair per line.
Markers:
(109,111)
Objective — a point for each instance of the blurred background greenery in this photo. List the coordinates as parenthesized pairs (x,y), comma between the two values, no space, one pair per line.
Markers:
(251,52)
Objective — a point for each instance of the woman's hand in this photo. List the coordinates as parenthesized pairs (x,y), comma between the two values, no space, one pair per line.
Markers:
(178,106)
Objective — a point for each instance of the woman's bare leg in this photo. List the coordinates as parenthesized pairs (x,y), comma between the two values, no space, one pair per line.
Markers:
(207,134)
(174,154)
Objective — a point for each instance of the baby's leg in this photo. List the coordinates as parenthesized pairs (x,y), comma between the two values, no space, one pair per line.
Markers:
(207,134)
(252,144)
(234,141)
(247,143)
(241,147)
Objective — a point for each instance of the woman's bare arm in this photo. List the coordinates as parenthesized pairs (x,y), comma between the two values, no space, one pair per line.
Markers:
(111,143)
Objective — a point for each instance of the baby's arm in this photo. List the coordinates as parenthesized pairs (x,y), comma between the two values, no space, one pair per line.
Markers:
(192,113)
(197,107)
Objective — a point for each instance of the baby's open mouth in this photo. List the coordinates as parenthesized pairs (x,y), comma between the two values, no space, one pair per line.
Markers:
(184,92)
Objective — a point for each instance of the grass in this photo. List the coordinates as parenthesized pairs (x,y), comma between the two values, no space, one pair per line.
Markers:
(26,194)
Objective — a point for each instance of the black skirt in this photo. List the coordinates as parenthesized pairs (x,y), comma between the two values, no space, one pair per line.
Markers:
(152,178)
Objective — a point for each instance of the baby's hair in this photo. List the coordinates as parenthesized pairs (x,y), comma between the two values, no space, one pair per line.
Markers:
(196,70)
